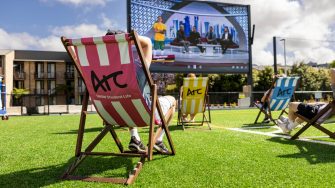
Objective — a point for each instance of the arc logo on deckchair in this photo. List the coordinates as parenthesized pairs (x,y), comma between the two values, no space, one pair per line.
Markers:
(103,83)
(279,96)
(107,67)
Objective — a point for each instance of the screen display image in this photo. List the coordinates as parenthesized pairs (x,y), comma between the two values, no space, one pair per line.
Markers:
(194,36)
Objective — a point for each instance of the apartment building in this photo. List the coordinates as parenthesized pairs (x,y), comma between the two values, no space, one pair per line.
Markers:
(50,77)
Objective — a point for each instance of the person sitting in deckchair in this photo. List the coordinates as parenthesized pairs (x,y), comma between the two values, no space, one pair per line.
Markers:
(168,103)
(192,116)
(266,103)
(309,110)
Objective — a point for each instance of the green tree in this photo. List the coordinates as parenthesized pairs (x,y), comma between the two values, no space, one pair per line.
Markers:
(263,79)
(311,79)
(18,93)
(332,64)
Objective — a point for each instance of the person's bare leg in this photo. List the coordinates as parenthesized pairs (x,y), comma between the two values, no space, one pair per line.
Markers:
(192,116)
(292,108)
(147,49)
(169,115)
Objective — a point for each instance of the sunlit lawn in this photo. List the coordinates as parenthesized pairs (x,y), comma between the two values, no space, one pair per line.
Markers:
(36,150)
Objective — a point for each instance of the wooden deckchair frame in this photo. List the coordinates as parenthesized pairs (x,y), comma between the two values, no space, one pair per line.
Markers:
(204,117)
(81,155)
(314,122)
(267,97)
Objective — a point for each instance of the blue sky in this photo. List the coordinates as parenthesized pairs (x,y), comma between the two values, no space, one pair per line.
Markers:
(39,17)
(38,24)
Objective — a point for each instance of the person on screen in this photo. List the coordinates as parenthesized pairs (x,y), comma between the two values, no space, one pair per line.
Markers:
(159,38)
(210,36)
(167,103)
(181,39)
(195,38)
(226,40)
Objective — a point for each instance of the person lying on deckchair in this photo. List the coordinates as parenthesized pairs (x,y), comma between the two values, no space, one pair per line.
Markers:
(168,103)
(308,110)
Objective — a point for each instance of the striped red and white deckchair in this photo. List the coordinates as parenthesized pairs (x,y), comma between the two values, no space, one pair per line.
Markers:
(108,67)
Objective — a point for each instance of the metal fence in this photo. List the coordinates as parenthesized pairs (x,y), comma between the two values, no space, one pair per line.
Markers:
(48,104)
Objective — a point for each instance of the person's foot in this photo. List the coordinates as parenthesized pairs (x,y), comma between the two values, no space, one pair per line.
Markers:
(282,126)
(185,120)
(136,145)
(283,119)
(266,120)
(160,147)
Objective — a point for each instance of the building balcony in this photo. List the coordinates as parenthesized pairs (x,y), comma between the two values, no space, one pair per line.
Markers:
(19,75)
(69,75)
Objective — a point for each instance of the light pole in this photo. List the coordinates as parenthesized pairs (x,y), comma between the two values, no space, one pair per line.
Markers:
(285,69)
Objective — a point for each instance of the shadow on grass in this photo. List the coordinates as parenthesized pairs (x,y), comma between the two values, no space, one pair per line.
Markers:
(94,129)
(314,153)
(44,176)
(258,125)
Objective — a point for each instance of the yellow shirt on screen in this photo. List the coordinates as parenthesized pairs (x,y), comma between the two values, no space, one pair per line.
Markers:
(160,27)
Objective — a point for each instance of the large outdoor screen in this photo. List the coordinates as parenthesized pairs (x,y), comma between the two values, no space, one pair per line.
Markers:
(194,36)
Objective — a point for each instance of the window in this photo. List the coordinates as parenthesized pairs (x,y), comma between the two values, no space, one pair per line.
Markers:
(69,67)
(51,69)
(81,85)
(39,89)
(18,84)
(18,70)
(51,86)
(39,70)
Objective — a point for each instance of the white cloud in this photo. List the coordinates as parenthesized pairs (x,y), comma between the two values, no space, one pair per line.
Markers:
(108,23)
(306,25)
(74,31)
(24,41)
(52,42)
(82,2)
(311,21)
(16,40)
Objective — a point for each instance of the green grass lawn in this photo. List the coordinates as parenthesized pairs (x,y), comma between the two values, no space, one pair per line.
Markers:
(36,150)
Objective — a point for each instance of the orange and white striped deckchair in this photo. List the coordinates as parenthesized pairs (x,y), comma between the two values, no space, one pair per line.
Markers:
(193,99)
(109,68)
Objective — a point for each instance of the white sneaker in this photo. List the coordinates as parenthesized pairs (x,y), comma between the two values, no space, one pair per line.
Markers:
(283,119)
(282,126)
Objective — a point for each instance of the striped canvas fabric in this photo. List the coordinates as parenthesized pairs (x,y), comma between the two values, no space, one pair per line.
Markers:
(194,90)
(282,92)
(109,72)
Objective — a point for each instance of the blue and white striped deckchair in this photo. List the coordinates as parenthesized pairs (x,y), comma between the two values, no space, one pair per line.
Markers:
(279,96)
(3,100)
